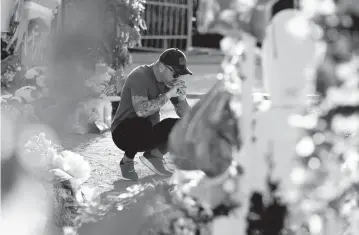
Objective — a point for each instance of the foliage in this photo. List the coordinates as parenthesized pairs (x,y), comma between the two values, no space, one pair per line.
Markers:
(105,32)
(116,27)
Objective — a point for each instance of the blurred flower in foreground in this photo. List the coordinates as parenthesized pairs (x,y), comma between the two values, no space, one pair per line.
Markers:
(232,17)
(26,208)
(207,137)
(328,152)
(192,207)
(325,7)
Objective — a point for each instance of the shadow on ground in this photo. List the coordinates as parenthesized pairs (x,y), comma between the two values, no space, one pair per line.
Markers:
(128,217)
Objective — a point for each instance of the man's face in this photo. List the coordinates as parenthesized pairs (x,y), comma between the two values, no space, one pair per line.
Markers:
(170,76)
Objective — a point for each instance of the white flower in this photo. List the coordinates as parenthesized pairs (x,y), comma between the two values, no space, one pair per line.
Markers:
(351,165)
(78,167)
(311,7)
(229,186)
(69,231)
(315,224)
(31,146)
(344,69)
(31,73)
(314,163)
(307,122)
(299,26)
(34,139)
(305,147)
(231,46)
(59,162)
(91,194)
(337,96)
(342,124)
(40,81)
(298,175)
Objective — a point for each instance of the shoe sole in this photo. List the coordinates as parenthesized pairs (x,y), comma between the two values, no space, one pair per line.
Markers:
(128,179)
(150,166)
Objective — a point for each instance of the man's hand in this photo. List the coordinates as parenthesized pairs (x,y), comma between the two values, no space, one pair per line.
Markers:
(183,95)
(177,89)
(182,107)
(182,91)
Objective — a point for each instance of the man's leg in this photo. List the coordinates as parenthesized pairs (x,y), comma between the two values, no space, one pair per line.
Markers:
(132,136)
(153,158)
(162,131)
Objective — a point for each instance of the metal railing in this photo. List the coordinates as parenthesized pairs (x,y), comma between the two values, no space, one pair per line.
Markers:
(169,24)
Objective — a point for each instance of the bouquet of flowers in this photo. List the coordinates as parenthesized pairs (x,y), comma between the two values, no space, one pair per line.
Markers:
(66,171)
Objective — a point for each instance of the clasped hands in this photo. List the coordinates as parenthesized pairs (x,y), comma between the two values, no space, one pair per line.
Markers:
(178,90)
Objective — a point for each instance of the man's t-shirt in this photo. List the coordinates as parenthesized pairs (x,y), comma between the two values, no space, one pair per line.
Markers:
(140,82)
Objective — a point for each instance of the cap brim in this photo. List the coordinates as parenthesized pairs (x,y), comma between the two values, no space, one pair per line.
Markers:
(185,71)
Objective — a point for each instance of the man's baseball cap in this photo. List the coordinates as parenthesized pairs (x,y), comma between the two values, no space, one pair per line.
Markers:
(176,59)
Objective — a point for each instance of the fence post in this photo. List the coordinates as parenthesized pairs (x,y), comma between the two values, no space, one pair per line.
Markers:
(189,26)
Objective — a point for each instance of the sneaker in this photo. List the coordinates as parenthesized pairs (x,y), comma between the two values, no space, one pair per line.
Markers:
(156,164)
(128,171)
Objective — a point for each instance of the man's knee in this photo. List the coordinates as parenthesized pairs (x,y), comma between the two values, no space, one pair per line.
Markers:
(163,129)
(170,121)
(133,133)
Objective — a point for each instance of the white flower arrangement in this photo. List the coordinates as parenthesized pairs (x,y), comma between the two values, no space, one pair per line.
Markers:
(43,158)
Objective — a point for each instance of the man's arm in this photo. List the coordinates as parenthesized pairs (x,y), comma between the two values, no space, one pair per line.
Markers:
(181,106)
(145,107)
